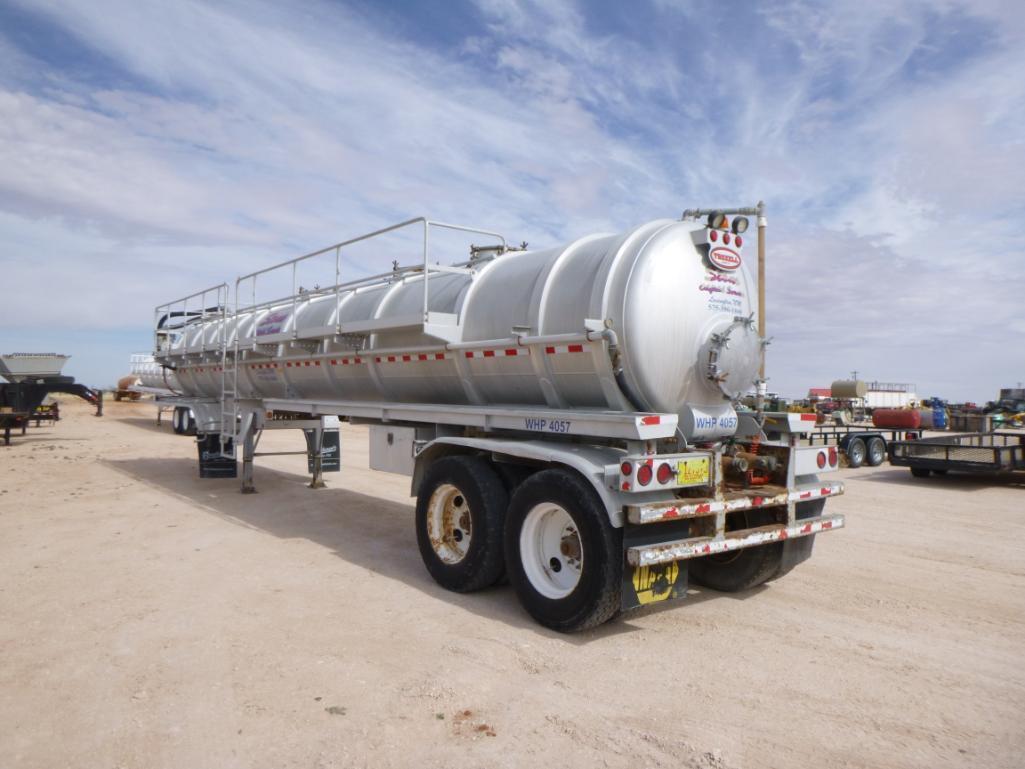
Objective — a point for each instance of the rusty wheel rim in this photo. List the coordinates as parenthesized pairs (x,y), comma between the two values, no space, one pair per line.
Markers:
(449,524)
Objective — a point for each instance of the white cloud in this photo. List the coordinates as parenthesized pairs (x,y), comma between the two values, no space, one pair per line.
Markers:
(231,135)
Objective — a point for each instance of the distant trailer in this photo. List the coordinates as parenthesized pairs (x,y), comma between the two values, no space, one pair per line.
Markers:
(996,452)
(861,445)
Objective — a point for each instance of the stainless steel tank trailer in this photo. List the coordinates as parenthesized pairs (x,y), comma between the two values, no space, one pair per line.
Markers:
(151,378)
(567,415)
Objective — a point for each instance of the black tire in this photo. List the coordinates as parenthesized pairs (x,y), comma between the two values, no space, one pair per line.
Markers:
(741,569)
(176,420)
(513,475)
(189,423)
(596,596)
(855,452)
(920,472)
(804,545)
(480,496)
(876,451)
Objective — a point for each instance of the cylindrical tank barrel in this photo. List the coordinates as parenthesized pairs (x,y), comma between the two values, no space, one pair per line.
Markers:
(926,419)
(848,388)
(898,419)
(670,330)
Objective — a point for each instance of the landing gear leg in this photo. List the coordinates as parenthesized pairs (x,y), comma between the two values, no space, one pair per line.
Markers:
(248,450)
(317,482)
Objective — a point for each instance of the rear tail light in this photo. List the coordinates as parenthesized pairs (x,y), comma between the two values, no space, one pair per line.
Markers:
(713,235)
(726,238)
(626,468)
(739,241)
(644,474)
(832,456)
(821,459)
(665,473)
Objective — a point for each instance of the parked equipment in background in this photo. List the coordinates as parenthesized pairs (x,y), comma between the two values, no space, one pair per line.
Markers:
(126,389)
(860,444)
(994,452)
(890,395)
(154,379)
(899,419)
(31,378)
(568,416)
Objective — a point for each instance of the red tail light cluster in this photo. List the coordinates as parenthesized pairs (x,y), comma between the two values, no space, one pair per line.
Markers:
(665,473)
(644,475)
(833,459)
(626,468)
(821,459)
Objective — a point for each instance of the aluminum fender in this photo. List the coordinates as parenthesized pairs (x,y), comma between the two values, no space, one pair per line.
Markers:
(589,461)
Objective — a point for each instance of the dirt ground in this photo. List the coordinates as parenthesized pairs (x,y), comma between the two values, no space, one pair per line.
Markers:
(149,619)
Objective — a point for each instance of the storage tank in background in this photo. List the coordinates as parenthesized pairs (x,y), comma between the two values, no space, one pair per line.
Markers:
(848,388)
(897,419)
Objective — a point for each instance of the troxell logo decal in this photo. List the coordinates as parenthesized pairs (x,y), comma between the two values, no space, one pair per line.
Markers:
(724,258)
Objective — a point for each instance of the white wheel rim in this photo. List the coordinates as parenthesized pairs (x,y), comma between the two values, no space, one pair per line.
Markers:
(551,551)
(449,524)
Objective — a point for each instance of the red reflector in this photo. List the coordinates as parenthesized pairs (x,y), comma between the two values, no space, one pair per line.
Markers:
(653,420)
(576,348)
(713,236)
(726,238)
(665,473)
(808,418)
(626,468)
(739,241)
(832,456)
(644,474)
(821,459)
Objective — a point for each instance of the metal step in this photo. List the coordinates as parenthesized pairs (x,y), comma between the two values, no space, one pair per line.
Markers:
(695,547)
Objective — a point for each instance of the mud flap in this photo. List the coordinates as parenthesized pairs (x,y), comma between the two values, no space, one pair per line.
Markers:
(211,463)
(796,551)
(331,454)
(647,585)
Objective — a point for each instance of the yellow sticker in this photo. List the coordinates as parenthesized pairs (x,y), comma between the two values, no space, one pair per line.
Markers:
(655,583)
(691,472)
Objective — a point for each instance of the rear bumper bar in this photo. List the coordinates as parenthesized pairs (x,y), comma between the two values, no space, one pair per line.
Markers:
(656,512)
(652,555)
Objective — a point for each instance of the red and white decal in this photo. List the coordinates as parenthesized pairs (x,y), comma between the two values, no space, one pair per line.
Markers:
(510,352)
(563,348)
(724,258)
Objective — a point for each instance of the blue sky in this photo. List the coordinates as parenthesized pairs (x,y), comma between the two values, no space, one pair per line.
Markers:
(150,149)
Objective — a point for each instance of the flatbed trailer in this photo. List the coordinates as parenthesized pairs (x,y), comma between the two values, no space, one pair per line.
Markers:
(20,401)
(861,444)
(993,452)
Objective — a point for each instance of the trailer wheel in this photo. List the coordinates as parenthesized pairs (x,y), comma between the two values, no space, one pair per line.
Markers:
(741,569)
(920,472)
(876,451)
(176,421)
(459,511)
(856,452)
(562,554)
(188,422)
